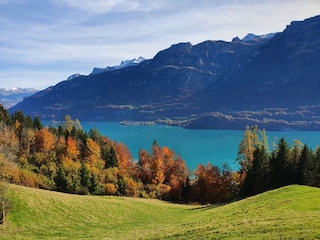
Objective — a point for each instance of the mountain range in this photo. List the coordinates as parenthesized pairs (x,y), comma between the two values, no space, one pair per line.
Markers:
(11,96)
(271,81)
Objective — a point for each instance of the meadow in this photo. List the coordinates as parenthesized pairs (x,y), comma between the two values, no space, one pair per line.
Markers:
(291,212)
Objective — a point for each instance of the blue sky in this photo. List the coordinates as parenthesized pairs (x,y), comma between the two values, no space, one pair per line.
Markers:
(42,42)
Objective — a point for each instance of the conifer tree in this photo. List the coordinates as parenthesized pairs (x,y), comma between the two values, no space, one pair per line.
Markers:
(279,159)
(94,187)
(84,178)
(60,180)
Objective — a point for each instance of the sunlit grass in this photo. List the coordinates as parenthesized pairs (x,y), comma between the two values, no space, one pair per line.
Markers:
(288,213)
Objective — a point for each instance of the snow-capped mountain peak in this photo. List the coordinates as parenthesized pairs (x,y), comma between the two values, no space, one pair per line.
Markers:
(123,64)
(252,37)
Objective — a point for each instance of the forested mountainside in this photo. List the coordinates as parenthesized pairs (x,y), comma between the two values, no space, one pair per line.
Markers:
(272,82)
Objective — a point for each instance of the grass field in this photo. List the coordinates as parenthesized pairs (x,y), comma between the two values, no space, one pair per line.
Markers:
(288,213)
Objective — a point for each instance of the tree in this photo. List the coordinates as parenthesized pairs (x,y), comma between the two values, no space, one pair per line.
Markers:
(110,157)
(305,164)
(123,156)
(60,180)
(278,162)
(94,187)
(37,123)
(84,178)
(246,149)
(312,169)
(4,203)
(92,155)
(44,141)
(144,167)
(5,115)
(211,184)
(257,178)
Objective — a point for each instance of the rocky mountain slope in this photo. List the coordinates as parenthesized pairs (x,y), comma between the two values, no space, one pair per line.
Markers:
(270,80)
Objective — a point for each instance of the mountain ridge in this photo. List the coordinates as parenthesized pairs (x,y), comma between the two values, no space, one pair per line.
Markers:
(185,83)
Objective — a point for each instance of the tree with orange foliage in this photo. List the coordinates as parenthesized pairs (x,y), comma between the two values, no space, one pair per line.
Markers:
(212,185)
(123,155)
(92,154)
(144,166)
(44,141)
(72,150)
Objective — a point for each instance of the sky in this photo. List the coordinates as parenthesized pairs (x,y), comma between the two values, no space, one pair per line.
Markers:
(43,42)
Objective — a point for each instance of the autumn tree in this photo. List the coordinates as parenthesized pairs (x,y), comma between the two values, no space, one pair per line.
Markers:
(44,141)
(211,184)
(123,156)
(4,203)
(92,154)
(144,166)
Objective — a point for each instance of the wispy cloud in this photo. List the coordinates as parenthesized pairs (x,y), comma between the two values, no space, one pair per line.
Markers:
(102,6)
(59,37)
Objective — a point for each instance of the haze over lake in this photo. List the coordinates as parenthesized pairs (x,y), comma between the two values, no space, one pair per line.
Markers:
(194,146)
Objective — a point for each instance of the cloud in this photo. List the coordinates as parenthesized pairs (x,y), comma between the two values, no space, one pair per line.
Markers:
(76,35)
(102,6)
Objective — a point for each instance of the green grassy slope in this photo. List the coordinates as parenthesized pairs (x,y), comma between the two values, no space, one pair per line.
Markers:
(288,213)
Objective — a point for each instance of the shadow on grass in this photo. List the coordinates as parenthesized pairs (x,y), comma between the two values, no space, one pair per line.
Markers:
(207,207)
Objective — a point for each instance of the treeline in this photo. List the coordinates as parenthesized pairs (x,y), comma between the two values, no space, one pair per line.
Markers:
(68,159)
(262,169)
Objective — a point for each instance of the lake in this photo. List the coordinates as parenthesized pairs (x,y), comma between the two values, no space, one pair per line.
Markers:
(194,146)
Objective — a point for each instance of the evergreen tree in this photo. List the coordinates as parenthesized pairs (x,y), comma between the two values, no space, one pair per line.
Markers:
(186,190)
(60,180)
(110,157)
(94,187)
(121,187)
(293,164)
(257,178)
(305,166)
(37,123)
(84,178)
(279,159)
(5,115)
(312,170)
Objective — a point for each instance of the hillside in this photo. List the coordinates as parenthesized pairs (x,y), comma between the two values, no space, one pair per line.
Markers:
(291,212)
(269,81)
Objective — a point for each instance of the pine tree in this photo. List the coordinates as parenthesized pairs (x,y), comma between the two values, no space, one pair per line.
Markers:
(257,178)
(279,159)
(84,178)
(110,157)
(37,123)
(94,187)
(60,180)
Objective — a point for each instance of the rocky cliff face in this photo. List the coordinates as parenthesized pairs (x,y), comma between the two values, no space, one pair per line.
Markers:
(189,85)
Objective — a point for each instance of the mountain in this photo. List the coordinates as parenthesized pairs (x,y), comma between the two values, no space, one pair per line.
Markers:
(11,96)
(123,64)
(269,80)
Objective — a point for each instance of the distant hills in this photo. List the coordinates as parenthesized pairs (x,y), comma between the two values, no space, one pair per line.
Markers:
(270,80)
(11,96)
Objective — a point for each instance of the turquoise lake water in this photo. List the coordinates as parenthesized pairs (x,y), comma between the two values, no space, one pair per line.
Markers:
(194,146)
